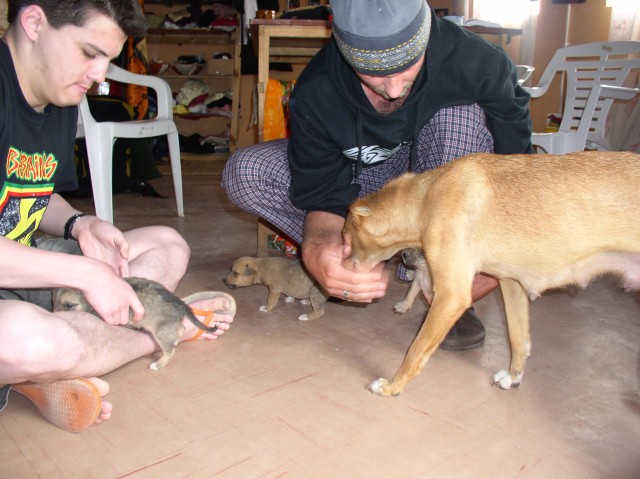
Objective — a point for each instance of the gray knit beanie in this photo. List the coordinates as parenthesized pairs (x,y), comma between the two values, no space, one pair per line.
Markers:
(381,37)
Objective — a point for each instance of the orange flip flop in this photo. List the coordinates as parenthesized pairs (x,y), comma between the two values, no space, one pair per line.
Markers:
(70,404)
(206,316)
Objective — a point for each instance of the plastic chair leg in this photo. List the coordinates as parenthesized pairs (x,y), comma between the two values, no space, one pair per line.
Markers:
(100,151)
(176,169)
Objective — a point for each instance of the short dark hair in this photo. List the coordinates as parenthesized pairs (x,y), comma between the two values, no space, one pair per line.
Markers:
(127,14)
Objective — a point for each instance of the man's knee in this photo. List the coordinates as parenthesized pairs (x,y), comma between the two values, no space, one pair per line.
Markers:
(157,249)
(32,341)
(249,169)
(232,174)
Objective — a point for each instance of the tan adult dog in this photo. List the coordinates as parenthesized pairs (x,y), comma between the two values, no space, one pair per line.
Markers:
(532,221)
(282,276)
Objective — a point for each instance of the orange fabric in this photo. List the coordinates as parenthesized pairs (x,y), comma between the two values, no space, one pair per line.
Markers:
(137,62)
(276,111)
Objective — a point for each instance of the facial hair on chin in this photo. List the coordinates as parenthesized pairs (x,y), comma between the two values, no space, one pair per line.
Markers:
(383,93)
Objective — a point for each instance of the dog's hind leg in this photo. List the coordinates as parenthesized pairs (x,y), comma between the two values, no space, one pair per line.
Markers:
(517,311)
(443,313)
(317,300)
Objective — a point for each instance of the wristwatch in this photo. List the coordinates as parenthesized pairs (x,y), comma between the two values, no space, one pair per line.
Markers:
(68,227)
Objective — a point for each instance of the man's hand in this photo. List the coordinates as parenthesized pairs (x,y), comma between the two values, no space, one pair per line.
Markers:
(112,297)
(101,240)
(99,271)
(325,256)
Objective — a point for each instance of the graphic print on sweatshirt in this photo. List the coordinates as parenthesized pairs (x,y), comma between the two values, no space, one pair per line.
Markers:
(372,154)
(26,189)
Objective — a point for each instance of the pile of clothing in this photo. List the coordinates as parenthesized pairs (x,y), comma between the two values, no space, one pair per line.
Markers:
(196,100)
(217,16)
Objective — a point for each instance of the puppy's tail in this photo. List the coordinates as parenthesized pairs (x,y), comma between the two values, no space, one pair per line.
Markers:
(189,313)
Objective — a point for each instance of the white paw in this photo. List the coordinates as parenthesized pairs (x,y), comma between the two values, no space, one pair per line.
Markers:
(502,379)
(289,299)
(377,385)
(263,309)
(303,317)
(401,307)
(305,301)
(154,366)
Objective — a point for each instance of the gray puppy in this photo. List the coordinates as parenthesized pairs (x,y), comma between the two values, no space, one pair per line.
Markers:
(162,318)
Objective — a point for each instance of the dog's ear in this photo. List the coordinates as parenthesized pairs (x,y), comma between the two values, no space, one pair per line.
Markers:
(361,208)
(249,271)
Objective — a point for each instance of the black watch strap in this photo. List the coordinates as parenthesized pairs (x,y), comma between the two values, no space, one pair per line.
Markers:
(68,227)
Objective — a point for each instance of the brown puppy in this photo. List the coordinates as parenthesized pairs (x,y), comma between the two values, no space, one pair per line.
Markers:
(163,314)
(414,258)
(532,221)
(281,276)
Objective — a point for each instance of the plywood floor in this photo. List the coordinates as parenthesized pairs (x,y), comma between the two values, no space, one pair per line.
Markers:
(275,397)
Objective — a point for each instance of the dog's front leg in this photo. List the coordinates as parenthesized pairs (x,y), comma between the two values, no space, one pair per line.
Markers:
(516,306)
(271,301)
(443,313)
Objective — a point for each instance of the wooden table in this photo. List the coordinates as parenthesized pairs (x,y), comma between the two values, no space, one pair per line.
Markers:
(290,41)
(508,32)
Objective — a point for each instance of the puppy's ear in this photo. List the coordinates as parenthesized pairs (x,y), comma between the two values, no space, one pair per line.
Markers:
(249,271)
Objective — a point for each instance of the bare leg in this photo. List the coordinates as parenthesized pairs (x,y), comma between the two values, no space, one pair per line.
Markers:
(158,253)
(39,346)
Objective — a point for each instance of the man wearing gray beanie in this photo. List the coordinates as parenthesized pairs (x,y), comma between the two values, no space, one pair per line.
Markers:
(397,89)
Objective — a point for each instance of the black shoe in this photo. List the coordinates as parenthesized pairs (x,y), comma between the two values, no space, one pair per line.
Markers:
(467,333)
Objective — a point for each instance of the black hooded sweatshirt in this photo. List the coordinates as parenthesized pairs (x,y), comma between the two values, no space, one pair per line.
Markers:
(335,131)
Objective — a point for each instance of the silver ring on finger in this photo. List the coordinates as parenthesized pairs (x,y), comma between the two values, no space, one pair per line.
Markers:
(346,294)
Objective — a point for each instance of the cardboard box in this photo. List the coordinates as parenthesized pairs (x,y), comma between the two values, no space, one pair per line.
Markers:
(220,67)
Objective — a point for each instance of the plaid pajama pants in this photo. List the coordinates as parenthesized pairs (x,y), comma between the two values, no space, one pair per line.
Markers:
(257,178)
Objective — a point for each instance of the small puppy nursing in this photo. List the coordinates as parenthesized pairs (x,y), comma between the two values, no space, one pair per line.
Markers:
(534,222)
(414,258)
(163,316)
(281,276)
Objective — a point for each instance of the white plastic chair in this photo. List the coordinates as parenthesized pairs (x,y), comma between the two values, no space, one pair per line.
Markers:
(524,72)
(594,75)
(100,137)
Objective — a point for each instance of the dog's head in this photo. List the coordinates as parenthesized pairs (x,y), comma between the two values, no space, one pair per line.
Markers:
(414,258)
(244,272)
(383,223)
(67,299)
(365,231)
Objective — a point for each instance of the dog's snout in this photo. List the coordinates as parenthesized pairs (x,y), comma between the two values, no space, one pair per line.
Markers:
(229,285)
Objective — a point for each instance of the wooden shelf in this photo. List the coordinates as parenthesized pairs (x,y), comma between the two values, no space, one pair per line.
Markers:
(167,45)
(176,76)
(191,36)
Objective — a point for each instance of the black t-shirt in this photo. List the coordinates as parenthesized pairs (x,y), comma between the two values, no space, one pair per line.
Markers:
(37,155)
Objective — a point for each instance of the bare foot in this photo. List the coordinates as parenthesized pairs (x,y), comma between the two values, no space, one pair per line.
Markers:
(107,407)
(223,307)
